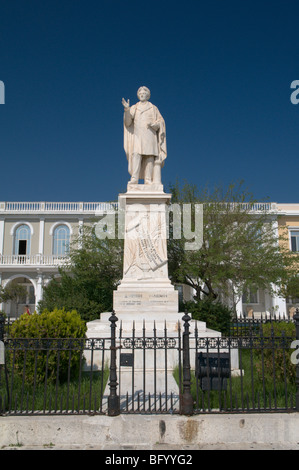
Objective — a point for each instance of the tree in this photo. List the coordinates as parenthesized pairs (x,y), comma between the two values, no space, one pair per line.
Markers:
(87,282)
(12,292)
(292,287)
(240,247)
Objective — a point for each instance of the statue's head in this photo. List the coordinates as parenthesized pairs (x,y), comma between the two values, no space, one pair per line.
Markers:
(143,93)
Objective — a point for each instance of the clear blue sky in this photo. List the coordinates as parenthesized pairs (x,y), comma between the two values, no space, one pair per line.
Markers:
(219,72)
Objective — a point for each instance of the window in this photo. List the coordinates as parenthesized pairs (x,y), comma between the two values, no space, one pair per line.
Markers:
(61,240)
(180,291)
(294,240)
(22,240)
(31,295)
(250,296)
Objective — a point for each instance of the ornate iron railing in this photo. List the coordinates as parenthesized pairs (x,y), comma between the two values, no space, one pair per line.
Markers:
(152,371)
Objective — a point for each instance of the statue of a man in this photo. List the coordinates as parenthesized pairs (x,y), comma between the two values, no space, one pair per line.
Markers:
(144,139)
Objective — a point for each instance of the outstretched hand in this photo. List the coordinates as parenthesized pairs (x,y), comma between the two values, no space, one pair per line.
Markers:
(126,104)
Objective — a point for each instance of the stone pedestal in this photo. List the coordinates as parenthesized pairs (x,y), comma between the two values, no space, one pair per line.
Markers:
(145,292)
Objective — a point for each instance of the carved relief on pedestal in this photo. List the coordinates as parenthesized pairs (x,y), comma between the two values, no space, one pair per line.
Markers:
(145,254)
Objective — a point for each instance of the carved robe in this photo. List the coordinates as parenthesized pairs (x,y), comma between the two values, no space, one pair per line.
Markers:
(138,138)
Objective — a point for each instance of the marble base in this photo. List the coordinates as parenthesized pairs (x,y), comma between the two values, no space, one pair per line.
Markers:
(144,188)
(146,303)
(127,321)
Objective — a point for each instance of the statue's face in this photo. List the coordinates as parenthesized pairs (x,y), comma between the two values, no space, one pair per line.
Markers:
(143,94)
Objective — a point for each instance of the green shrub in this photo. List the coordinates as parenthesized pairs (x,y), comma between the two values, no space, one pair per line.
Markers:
(49,353)
(273,357)
(216,315)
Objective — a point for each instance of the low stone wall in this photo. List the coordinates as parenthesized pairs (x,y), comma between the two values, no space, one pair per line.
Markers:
(148,431)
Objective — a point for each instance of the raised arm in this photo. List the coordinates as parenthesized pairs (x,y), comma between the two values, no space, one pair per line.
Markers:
(127,115)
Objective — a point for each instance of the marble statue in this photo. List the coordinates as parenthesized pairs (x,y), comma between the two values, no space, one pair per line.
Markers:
(144,139)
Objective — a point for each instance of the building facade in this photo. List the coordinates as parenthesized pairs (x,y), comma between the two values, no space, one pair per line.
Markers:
(34,242)
(35,239)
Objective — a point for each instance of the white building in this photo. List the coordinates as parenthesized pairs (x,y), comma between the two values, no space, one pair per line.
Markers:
(34,242)
(35,237)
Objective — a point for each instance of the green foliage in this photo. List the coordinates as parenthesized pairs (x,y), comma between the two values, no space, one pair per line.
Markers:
(267,379)
(55,324)
(71,292)
(86,284)
(12,292)
(43,360)
(279,328)
(216,315)
(273,359)
(292,287)
(239,246)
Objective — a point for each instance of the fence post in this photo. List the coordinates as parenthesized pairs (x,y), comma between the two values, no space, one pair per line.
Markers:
(186,407)
(113,399)
(296,318)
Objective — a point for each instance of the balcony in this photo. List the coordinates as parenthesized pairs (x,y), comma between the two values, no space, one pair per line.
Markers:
(32,261)
(57,207)
(98,207)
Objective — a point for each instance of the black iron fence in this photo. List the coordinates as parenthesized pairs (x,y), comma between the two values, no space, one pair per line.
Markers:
(153,371)
(48,376)
(244,324)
